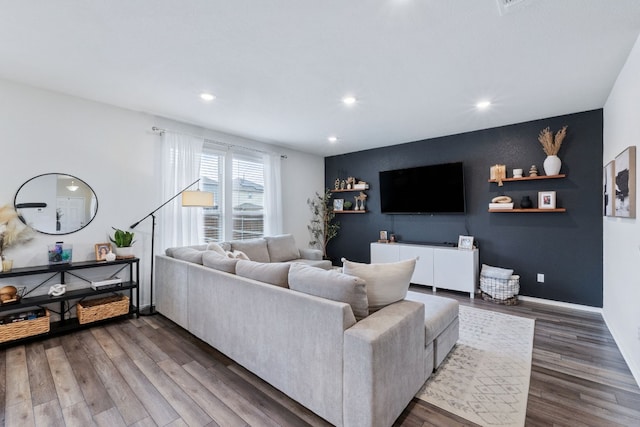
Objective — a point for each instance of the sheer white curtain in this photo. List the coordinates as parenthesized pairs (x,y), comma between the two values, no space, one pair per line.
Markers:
(180,167)
(272,194)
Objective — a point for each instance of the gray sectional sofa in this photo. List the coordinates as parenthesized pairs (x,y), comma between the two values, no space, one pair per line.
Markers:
(350,372)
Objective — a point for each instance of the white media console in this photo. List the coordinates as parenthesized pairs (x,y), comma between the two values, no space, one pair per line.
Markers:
(437,266)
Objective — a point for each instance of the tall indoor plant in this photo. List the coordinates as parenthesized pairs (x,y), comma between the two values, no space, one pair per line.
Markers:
(322,226)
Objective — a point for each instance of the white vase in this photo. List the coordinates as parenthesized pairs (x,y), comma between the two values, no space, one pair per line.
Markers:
(125,252)
(552,165)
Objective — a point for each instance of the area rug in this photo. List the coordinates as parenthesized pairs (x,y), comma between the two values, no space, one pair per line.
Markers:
(485,379)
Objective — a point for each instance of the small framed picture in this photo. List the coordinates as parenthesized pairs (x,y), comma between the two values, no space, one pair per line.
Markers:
(546,200)
(383,235)
(465,242)
(338,204)
(102,249)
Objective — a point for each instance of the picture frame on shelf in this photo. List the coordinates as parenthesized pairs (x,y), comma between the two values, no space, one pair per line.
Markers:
(465,242)
(102,249)
(383,236)
(338,204)
(546,200)
(609,189)
(625,183)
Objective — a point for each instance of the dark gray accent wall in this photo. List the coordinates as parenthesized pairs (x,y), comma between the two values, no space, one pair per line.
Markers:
(566,247)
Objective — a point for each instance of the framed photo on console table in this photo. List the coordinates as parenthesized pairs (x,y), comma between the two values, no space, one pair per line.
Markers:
(546,200)
(465,242)
(102,249)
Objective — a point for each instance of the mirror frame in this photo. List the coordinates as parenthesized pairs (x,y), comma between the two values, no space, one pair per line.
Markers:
(36,205)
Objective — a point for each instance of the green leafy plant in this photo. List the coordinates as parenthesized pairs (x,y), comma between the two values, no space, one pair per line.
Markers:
(122,239)
(322,226)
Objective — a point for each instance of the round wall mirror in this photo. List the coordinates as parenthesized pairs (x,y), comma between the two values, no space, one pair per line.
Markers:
(55,203)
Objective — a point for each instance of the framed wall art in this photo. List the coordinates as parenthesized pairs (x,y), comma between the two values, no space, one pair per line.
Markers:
(546,200)
(625,183)
(465,242)
(608,189)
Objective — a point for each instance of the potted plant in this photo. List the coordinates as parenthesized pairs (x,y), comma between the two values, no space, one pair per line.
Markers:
(322,227)
(124,242)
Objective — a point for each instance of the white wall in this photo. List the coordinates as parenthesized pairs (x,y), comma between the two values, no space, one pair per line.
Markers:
(116,153)
(622,236)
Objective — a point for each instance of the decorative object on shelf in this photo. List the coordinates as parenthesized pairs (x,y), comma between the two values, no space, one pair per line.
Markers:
(361,185)
(12,231)
(608,189)
(338,204)
(551,145)
(10,294)
(517,173)
(526,203)
(533,171)
(360,199)
(498,173)
(60,253)
(190,199)
(102,249)
(625,183)
(351,181)
(110,256)
(465,242)
(347,205)
(392,238)
(383,237)
(501,202)
(322,226)
(546,200)
(57,290)
(124,243)
(343,185)
(336,184)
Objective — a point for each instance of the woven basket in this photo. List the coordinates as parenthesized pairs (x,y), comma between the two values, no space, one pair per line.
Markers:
(102,308)
(501,291)
(26,328)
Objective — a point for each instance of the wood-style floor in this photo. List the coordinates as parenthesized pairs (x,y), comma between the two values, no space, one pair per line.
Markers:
(148,371)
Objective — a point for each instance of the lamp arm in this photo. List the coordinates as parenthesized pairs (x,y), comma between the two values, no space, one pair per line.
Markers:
(162,205)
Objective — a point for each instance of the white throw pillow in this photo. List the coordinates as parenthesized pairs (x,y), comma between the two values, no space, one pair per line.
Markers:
(237,255)
(216,248)
(386,282)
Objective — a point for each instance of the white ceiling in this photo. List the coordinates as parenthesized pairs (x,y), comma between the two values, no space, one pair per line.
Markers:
(279,68)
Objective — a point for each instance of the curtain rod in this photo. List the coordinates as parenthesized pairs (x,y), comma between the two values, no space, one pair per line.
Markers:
(211,141)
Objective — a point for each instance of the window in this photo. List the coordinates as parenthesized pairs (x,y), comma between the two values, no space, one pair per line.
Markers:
(237,183)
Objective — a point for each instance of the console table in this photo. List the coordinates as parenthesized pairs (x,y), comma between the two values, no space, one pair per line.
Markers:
(61,271)
(437,266)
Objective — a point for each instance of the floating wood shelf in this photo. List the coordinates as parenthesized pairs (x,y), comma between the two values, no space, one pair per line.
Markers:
(530,178)
(526,210)
(349,212)
(349,191)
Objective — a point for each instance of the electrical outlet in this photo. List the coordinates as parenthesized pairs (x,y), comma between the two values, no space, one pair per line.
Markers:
(540,277)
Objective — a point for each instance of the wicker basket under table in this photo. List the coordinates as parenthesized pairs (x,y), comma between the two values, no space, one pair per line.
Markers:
(26,328)
(102,308)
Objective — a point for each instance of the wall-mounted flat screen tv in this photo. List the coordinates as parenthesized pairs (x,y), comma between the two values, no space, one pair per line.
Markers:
(432,189)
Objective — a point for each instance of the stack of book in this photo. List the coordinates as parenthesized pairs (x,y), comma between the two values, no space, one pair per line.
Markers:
(501,205)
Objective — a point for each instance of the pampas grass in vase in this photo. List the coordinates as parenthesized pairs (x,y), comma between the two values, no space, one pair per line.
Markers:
(551,146)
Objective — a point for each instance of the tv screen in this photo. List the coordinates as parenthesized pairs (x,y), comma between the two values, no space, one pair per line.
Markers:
(433,189)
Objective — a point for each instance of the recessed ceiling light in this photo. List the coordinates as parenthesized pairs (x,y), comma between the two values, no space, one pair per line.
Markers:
(483,105)
(207,96)
(333,139)
(349,100)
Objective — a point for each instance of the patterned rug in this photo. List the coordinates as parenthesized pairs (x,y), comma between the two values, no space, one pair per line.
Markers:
(485,379)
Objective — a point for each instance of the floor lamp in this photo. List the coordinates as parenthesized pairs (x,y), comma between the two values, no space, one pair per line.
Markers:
(189,199)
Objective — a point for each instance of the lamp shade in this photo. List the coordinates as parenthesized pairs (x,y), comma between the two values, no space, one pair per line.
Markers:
(197,198)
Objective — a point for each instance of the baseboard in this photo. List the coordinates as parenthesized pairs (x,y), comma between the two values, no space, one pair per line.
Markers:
(561,304)
(635,370)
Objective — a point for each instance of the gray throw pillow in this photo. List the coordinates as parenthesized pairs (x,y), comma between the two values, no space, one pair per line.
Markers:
(274,273)
(282,248)
(213,246)
(188,254)
(386,282)
(255,249)
(496,272)
(330,284)
(216,261)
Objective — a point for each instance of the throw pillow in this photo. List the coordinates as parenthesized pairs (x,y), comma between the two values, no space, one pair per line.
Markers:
(496,272)
(330,284)
(256,249)
(274,273)
(386,282)
(237,254)
(282,248)
(213,259)
(188,254)
(213,246)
